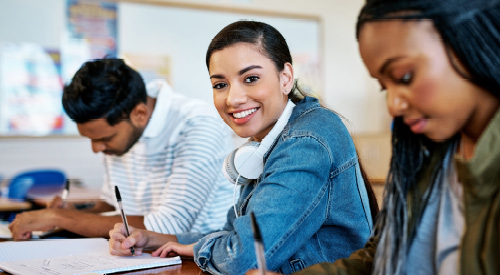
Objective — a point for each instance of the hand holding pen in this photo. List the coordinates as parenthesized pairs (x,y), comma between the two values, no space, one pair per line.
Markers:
(65,194)
(124,218)
(60,202)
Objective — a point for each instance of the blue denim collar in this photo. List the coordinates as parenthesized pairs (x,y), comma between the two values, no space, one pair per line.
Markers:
(305,105)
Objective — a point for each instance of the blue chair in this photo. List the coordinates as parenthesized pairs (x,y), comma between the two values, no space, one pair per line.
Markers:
(35,184)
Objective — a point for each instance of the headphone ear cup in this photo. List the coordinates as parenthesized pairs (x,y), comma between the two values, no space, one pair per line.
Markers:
(249,161)
(230,172)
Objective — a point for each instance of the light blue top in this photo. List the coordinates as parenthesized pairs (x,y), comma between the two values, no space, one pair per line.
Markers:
(310,202)
(435,247)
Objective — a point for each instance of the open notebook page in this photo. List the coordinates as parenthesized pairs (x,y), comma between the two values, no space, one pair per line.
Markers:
(79,256)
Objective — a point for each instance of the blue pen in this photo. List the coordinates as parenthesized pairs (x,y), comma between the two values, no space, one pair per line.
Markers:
(259,245)
(124,218)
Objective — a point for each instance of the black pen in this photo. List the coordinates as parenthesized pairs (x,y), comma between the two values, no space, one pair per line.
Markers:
(259,245)
(65,193)
(124,218)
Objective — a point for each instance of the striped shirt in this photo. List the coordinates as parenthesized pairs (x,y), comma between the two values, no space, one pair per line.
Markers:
(172,175)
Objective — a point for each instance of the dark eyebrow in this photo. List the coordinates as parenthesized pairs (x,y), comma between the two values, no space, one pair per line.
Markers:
(218,76)
(388,62)
(242,71)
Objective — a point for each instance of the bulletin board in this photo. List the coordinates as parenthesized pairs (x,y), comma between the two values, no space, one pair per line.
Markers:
(163,40)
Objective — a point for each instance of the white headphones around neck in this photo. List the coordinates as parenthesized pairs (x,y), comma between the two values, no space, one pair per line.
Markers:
(246,163)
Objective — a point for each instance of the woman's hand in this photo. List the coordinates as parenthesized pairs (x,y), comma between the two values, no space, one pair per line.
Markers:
(174,248)
(119,245)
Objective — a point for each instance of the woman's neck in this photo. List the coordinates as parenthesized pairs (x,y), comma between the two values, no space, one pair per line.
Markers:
(485,111)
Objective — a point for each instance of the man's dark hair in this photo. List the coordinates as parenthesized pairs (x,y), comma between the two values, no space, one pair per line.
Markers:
(104,88)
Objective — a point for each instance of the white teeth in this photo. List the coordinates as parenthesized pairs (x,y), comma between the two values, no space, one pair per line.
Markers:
(244,113)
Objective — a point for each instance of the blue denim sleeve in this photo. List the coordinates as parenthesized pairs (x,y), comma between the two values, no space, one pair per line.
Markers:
(189,238)
(290,204)
(192,237)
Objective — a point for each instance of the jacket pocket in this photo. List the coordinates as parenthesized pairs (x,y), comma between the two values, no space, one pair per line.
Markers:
(296,265)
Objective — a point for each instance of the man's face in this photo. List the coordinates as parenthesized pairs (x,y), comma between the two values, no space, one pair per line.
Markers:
(111,140)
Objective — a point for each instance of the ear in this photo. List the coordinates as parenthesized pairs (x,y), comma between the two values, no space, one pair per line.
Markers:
(139,116)
(286,79)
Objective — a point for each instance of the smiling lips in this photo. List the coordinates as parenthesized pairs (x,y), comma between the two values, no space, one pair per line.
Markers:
(243,117)
(244,114)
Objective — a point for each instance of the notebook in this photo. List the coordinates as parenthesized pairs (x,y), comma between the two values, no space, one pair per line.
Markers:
(72,257)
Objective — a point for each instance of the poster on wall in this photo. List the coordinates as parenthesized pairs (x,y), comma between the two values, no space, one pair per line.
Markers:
(90,33)
(308,72)
(31,85)
(150,66)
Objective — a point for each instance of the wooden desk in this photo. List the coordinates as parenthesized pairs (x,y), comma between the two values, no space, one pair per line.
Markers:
(188,267)
(13,205)
(78,194)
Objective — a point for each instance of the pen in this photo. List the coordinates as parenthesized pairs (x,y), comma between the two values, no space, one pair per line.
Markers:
(65,193)
(124,218)
(259,245)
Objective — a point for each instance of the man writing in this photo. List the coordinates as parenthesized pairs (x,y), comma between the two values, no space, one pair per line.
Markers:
(163,150)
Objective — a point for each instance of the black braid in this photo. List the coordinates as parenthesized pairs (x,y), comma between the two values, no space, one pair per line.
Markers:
(471,30)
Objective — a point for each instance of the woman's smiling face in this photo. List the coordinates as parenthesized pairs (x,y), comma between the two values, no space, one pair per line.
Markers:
(411,63)
(249,92)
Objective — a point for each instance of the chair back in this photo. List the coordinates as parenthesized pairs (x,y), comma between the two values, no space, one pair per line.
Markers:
(36,184)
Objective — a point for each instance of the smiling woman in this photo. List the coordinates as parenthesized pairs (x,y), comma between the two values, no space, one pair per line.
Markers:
(311,200)
(244,93)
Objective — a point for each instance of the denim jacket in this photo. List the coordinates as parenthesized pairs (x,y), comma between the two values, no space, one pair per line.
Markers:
(310,202)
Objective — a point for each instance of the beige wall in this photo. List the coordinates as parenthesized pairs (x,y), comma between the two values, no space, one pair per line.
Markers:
(346,88)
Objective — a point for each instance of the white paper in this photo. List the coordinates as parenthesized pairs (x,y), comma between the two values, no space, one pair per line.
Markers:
(39,249)
(76,256)
(4,230)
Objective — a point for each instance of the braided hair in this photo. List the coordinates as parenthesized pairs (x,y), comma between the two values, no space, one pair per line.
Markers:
(470,29)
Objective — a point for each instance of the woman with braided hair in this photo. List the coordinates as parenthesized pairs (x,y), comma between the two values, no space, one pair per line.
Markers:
(438,62)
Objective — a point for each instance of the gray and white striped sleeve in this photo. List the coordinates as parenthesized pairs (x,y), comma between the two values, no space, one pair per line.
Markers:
(196,168)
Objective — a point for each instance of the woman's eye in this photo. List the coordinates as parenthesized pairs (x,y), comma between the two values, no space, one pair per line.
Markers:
(219,85)
(406,78)
(251,79)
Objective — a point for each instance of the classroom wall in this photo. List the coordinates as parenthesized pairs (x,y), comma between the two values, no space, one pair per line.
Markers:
(72,155)
(346,88)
